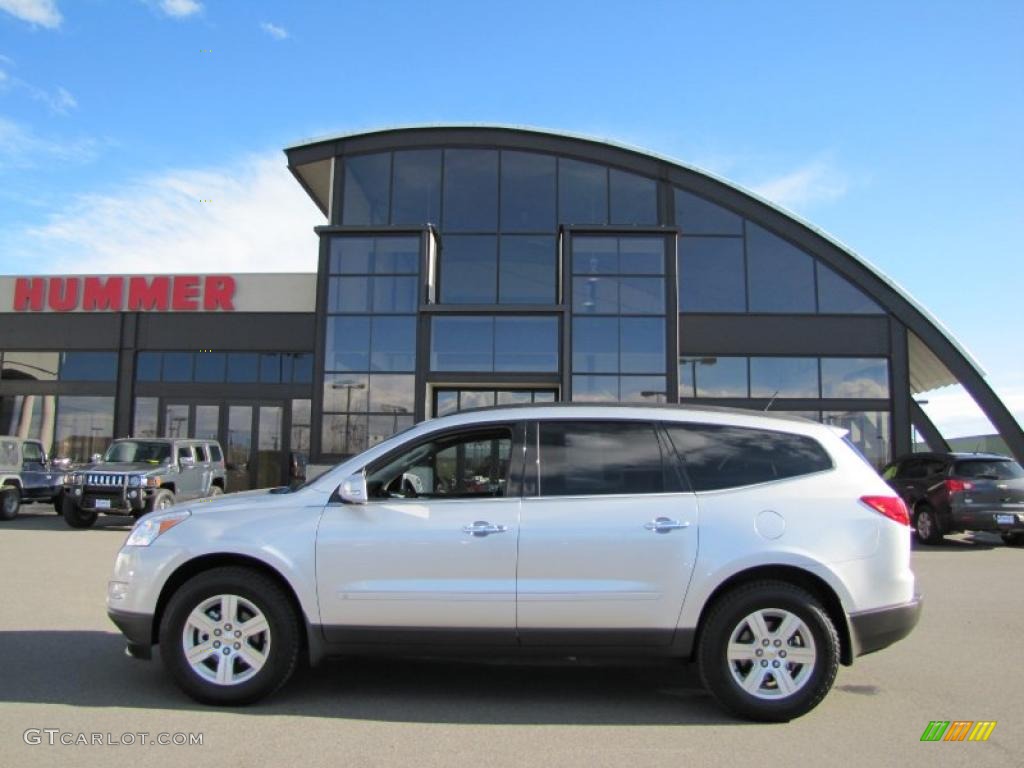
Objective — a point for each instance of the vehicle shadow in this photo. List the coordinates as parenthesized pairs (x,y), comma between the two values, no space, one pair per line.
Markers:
(979,541)
(43,518)
(89,669)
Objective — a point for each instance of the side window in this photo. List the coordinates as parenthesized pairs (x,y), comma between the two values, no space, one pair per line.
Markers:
(31,452)
(718,456)
(602,458)
(202,454)
(215,454)
(8,453)
(184,452)
(912,469)
(460,465)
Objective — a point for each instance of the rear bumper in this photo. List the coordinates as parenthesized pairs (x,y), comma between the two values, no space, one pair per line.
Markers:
(970,519)
(873,630)
(137,629)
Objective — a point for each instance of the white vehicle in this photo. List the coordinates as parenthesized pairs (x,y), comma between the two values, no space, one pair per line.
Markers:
(765,549)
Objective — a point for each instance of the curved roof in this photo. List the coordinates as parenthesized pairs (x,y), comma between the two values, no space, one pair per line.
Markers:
(309,160)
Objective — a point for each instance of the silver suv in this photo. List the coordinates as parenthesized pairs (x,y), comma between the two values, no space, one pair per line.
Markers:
(766,550)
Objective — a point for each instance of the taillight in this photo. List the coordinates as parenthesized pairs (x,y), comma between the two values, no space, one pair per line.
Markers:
(954,486)
(890,506)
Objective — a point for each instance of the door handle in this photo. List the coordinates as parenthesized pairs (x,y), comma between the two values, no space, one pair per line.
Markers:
(664,525)
(483,528)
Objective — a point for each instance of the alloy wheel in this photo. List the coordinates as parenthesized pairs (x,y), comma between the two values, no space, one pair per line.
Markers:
(771,653)
(226,639)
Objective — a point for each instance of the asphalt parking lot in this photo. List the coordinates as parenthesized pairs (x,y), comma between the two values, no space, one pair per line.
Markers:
(62,667)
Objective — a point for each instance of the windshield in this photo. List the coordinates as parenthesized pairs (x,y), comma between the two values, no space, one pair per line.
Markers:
(138,451)
(989,469)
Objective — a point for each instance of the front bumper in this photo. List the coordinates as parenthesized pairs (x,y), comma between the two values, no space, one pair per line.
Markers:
(116,499)
(137,629)
(873,630)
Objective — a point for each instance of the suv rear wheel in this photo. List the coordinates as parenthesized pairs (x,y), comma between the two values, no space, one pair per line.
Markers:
(230,636)
(768,651)
(926,526)
(10,502)
(77,517)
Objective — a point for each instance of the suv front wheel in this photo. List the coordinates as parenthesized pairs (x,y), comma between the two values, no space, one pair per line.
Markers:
(768,651)
(75,516)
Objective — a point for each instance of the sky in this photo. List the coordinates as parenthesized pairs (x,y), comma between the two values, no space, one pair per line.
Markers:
(146,135)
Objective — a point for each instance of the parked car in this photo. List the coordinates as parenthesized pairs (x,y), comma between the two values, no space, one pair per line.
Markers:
(956,492)
(137,476)
(765,549)
(28,476)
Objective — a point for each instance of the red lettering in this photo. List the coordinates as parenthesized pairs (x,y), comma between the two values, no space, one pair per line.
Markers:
(185,293)
(144,295)
(97,294)
(63,294)
(220,290)
(28,294)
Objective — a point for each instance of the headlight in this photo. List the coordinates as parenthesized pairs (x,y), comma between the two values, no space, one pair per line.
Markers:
(149,527)
(134,481)
(76,479)
(151,482)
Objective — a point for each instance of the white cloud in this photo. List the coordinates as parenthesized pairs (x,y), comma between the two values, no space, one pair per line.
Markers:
(41,12)
(258,219)
(956,414)
(815,182)
(280,33)
(21,148)
(60,102)
(180,9)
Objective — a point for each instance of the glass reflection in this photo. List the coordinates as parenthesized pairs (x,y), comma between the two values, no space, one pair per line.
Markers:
(784,377)
(854,377)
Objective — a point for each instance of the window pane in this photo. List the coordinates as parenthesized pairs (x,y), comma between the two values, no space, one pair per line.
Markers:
(242,367)
(595,345)
(595,295)
(396,255)
(367,189)
(210,366)
(382,426)
(697,216)
(348,294)
(634,199)
(395,294)
(515,397)
(784,377)
(643,389)
(870,431)
(854,377)
(462,344)
(835,294)
(146,410)
(84,426)
(89,366)
(595,389)
(475,398)
(343,433)
(527,192)
(416,199)
(584,459)
(716,376)
(351,255)
(301,415)
(147,366)
(38,366)
(177,366)
(642,255)
(595,256)
(711,275)
(447,402)
(527,270)
(207,422)
(345,392)
(642,295)
(393,346)
(392,393)
(728,457)
(582,192)
(270,368)
(471,190)
(526,344)
(347,344)
(302,368)
(544,396)
(469,269)
(780,275)
(642,345)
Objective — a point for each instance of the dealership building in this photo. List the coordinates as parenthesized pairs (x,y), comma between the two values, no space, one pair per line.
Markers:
(462,267)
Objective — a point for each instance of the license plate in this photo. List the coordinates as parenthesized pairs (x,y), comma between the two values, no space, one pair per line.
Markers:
(1006,519)
(105,504)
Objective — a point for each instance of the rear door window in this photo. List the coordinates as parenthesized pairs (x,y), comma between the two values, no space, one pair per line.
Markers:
(184,452)
(598,458)
(202,456)
(215,454)
(718,456)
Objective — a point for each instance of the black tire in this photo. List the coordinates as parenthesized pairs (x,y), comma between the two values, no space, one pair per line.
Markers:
(1012,539)
(161,500)
(58,503)
(926,526)
(729,614)
(268,598)
(10,502)
(75,516)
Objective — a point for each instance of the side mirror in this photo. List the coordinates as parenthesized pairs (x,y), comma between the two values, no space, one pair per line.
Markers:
(187,461)
(353,489)
(95,458)
(62,463)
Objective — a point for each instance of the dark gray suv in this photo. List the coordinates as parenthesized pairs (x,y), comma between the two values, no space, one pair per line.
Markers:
(137,476)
